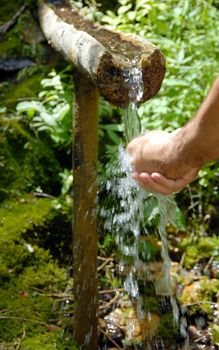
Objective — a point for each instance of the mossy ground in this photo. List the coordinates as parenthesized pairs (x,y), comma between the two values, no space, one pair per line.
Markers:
(35,233)
(31,279)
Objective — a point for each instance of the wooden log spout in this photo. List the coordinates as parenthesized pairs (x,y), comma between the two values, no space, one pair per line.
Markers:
(106,56)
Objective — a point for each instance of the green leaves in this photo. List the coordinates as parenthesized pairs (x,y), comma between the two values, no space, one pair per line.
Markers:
(190,48)
(52,112)
(30,107)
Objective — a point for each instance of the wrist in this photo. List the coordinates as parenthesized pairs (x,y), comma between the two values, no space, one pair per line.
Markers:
(187,145)
(196,143)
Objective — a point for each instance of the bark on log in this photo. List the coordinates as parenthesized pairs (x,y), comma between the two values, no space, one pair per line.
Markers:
(105,56)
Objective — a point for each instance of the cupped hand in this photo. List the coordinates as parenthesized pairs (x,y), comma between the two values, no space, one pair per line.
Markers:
(156,182)
(160,161)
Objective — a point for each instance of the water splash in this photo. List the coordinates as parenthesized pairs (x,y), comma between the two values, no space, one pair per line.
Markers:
(139,260)
(128,220)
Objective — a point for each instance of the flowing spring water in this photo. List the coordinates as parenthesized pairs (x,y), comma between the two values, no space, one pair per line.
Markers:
(127,218)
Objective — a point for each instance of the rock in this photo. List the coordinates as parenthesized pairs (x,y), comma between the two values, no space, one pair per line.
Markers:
(199,336)
(190,293)
(14,64)
(127,321)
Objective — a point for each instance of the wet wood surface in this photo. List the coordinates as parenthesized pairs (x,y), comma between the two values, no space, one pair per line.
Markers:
(85,152)
(104,55)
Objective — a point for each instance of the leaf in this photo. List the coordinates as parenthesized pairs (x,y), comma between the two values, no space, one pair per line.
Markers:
(30,105)
(49,119)
(176,82)
(63,111)
(124,9)
(3,109)
(180,222)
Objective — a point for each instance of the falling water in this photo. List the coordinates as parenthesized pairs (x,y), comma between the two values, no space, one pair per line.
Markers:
(127,218)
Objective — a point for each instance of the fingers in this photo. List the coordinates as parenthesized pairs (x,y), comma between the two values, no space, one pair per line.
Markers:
(145,181)
(141,183)
(157,182)
(169,185)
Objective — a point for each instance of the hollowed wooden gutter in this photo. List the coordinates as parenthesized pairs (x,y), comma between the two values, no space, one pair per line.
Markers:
(101,59)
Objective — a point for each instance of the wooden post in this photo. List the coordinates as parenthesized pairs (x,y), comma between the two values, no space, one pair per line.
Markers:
(85,152)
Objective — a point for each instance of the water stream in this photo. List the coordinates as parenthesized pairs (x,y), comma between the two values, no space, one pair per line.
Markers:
(144,258)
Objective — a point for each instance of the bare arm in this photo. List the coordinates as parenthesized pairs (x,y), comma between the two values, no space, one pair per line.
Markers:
(166,162)
(200,137)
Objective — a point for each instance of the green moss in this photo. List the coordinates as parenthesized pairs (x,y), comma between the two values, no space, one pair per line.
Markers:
(29,226)
(8,8)
(22,40)
(151,304)
(168,329)
(45,275)
(192,256)
(27,162)
(48,341)
(22,214)
(199,249)
(215,334)
(29,277)
(209,289)
(149,250)
(200,296)
(29,87)
(146,288)
(23,309)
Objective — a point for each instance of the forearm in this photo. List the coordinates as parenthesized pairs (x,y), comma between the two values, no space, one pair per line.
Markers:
(184,151)
(199,139)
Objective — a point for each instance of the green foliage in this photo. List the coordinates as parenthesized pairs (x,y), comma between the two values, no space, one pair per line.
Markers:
(52,112)
(38,130)
(19,215)
(89,9)
(215,333)
(110,132)
(198,249)
(149,250)
(24,39)
(67,180)
(151,212)
(109,244)
(168,329)
(49,341)
(201,296)
(29,277)
(28,85)
(180,221)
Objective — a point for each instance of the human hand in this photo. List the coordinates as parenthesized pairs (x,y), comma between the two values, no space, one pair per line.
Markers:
(156,182)
(161,161)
